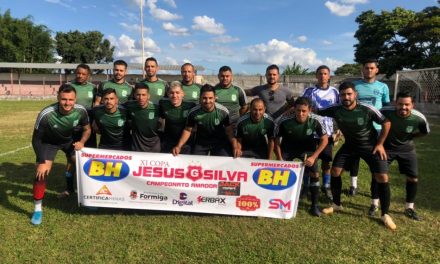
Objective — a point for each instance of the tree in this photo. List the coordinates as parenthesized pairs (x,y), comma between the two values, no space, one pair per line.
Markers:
(296,69)
(88,47)
(353,69)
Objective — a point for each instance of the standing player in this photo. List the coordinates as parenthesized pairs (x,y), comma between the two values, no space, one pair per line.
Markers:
(229,95)
(157,86)
(110,121)
(144,121)
(355,119)
(406,124)
(190,88)
(377,94)
(174,110)
(323,95)
(53,131)
(255,133)
(277,98)
(295,139)
(118,83)
(214,133)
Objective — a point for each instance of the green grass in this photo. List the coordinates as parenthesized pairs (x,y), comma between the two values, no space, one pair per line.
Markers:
(71,234)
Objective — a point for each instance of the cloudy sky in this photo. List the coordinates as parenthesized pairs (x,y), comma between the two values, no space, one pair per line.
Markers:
(247,35)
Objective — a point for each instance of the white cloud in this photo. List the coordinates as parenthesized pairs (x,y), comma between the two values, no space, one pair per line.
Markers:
(349,2)
(159,13)
(171,45)
(135,28)
(282,53)
(175,30)
(208,25)
(128,49)
(188,45)
(170,61)
(225,39)
(171,3)
(327,42)
(61,3)
(340,9)
(302,38)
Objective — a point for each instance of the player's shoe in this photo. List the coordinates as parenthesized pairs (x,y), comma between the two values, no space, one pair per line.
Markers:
(333,208)
(352,191)
(410,213)
(372,210)
(388,222)
(65,194)
(37,217)
(315,211)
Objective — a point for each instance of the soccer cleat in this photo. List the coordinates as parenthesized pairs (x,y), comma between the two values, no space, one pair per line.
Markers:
(352,191)
(333,208)
(64,194)
(37,217)
(314,210)
(372,210)
(388,222)
(410,213)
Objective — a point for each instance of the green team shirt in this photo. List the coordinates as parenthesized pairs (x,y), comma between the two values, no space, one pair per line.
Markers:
(400,137)
(123,91)
(175,117)
(85,94)
(299,137)
(210,125)
(144,123)
(253,134)
(52,127)
(192,92)
(112,127)
(157,89)
(233,98)
(356,124)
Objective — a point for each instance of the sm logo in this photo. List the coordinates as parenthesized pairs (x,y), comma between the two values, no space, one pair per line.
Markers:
(275,179)
(280,204)
(106,170)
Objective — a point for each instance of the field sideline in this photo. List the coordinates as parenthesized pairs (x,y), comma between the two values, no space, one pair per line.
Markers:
(75,235)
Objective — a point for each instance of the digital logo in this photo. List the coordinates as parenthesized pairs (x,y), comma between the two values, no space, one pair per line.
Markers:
(275,179)
(106,170)
(104,191)
(183,200)
(280,205)
(228,188)
(133,195)
(211,200)
(248,203)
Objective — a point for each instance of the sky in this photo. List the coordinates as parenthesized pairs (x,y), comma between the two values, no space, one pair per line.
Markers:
(247,35)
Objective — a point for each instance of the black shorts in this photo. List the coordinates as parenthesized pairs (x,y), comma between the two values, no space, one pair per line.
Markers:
(48,151)
(167,146)
(254,153)
(347,154)
(407,162)
(327,154)
(217,148)
(301,155)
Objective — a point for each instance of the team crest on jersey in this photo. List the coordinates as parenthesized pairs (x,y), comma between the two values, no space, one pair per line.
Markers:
(185,113)
(360,121)
(194,94)
(409,129)
(234,97)
(90,94)
(309,132)
(75,123)
(124,93)
(120,122)
(159,92)
(151,115)
(216,121)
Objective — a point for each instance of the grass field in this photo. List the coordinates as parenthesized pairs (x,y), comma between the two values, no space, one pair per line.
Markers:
(75,235)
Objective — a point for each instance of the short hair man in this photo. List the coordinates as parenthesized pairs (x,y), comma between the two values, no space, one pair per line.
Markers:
(355,120)
(406,124)
(174,110)
(144,120)
(53,131)
(110,121)
(157,87)
(323,95)
(229,95)
(190,88)
(118,83)
(295,139)
(278,98)
(255,132)
(213,127)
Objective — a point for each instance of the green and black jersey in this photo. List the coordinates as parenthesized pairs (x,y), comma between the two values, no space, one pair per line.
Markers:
(157,89)
(210,125)
(192,92)
(175,117)
(356,124)
(123,90)
(144,124)
(254,135)
(299,137)
(233,98)
(114,132)
(403,129)
(85,94)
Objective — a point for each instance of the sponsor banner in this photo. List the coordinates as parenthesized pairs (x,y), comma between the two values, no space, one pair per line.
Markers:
(188,183)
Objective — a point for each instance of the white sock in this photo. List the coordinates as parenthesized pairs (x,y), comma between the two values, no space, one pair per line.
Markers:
(38,204)
(375,202)
(409,205)
(354,181)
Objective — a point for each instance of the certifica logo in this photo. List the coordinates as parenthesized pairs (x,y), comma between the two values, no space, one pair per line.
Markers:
(106,170)
(275,179)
